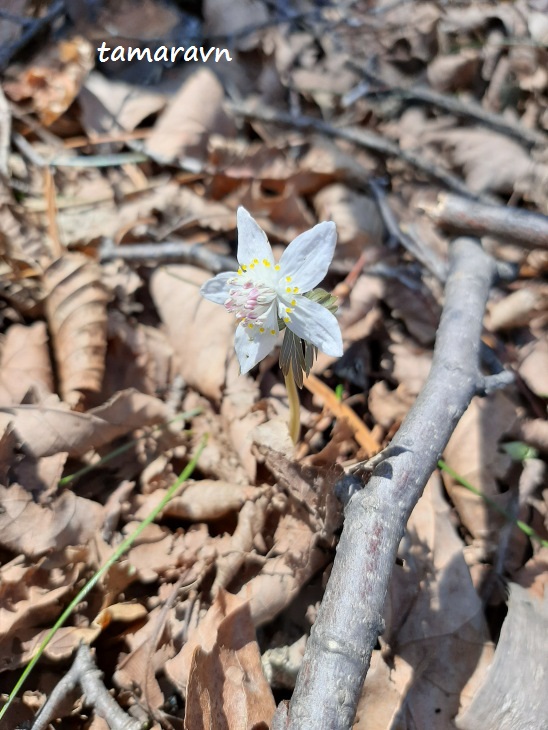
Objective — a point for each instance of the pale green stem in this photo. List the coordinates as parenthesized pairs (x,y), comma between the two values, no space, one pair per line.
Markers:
(294,406)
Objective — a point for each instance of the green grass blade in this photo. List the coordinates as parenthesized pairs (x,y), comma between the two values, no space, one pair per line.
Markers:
(120,550)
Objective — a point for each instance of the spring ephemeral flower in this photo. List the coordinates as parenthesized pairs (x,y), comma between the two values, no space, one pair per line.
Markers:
(265,296)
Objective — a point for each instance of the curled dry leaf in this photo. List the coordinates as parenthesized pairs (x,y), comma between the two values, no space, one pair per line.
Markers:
(512,696)
(52,427)
(31,529)
(357,218)
(25,363)
(30,594)
(53,84)
(473,453)
(76,307)
(201,332)
(193,114)
(534,367)
(219,668)
(434,615)
(202,501)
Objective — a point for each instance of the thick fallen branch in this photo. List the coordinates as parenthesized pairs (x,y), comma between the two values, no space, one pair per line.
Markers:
(510,224)
(349,621)
(84,673)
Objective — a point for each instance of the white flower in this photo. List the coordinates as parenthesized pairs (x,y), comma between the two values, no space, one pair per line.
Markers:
(261,291)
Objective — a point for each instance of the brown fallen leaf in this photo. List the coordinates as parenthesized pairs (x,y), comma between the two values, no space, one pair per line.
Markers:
(434,617)
(25,363)
(195,112)
(226,686)
(32,529)
(534,366)
(30,593)
(76,304)
(201,333)
(473,453)
(51,427)
(53,83)
(202,501)
(512,696)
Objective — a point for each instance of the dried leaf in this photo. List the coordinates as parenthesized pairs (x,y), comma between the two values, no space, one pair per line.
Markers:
(193,114)
(76,305)
(226,684)
(51,427)
(201,333)
(31,529)
(25,363)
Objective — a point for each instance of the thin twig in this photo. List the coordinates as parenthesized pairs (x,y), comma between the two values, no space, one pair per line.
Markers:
(452,104)
(168,252)
(523,227)
(349,621)
(84,673)
(361,138)
(31,30)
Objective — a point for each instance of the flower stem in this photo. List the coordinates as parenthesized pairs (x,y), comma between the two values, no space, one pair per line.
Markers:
(294,406)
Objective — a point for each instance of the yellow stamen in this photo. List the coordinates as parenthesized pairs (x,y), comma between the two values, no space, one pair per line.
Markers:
(286,319)
(240,271)
(255,261)
(272,332)
(261,329)
(293,303)
(288,278)
(266,263)
(288,289)
(250,326)
(295,289)
(277,267)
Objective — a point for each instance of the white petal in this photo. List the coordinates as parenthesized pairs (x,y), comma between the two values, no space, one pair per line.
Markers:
(307,258)
(252,240)
(216,289)
(314,323)
(252,351)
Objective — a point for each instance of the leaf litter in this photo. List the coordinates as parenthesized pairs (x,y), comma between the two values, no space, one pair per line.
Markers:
(207,615)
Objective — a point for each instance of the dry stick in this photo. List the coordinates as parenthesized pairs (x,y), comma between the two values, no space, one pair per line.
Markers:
(31,30)
(361,138)
(84,673)
(511,224)
(166,252)
(349,621)
(456,106)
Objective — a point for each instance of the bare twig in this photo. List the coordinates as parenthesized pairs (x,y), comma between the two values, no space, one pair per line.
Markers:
(84,673)
(30,31)
(168,252)
(5,133)
(452,104)
(361,138)
(511,224)
(350,620)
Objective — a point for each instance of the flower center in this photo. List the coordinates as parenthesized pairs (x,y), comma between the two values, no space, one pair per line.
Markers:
(249,300)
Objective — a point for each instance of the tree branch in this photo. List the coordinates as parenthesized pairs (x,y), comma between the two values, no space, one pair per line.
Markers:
(84,673)
(523,227)
(349,621)
(361,138)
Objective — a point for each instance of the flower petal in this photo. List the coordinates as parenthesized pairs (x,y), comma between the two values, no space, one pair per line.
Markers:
(252,351)
(252,240)
(314,323)
(307,258)
(216,289)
